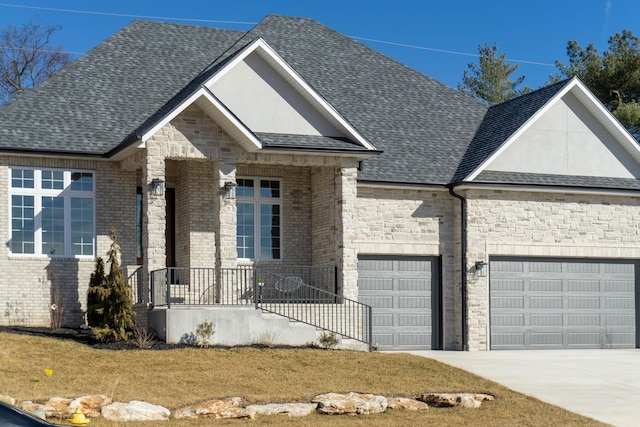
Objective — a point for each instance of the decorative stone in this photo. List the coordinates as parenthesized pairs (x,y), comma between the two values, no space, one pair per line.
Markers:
(90,405)
(7,399)
(290,409)
(232,407)
(58,407)
(465,400)
(31,407)
(135,411)
(350,404)
(406,404)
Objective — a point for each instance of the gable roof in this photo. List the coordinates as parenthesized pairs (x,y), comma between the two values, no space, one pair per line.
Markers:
(428,133)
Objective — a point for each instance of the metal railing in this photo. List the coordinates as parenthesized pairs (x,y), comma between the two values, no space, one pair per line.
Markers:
(305,294)
(137,285)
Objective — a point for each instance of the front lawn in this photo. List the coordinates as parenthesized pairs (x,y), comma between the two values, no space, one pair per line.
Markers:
(178,377)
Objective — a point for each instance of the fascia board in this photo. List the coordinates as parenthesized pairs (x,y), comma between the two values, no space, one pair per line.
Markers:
(263,49)
(248,140)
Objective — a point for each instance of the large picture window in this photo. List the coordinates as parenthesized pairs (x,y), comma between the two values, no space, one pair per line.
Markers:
(52,212)
(259,230)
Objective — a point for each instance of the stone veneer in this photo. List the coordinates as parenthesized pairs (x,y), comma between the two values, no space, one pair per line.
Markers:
(31,283)
(518,223)
(410,222)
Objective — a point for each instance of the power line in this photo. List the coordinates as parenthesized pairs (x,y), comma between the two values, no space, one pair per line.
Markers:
(125,15)
(214,21)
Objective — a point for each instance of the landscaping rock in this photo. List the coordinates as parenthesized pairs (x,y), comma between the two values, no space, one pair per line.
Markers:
(58,407)
(135,411)
(465,400)
(7,399)
(90,406)
(406,404)
(290,409)
(227,408)
(350,404)
(29,406)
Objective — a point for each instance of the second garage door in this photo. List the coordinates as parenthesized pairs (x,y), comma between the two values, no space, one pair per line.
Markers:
(560,303)
(403,292)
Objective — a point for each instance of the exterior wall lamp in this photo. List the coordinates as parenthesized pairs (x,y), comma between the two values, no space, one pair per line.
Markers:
(229,190)
(481,268)
(157,187)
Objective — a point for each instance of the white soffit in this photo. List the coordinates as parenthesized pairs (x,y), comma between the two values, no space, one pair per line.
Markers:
(593,106)
(282,68)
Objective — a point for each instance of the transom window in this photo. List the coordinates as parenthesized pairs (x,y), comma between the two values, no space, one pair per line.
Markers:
(52,212)
(259,219)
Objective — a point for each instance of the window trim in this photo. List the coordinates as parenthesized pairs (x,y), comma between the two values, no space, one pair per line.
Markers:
(257,200)
(38,192)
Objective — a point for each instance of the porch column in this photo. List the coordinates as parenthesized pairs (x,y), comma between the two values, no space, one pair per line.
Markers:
(346,238)
(154,211)
(226,255)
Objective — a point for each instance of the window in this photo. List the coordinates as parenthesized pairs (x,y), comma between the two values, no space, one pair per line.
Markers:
(52,212)
(259,230)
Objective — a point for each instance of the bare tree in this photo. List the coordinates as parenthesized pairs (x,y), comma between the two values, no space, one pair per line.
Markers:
(27,57)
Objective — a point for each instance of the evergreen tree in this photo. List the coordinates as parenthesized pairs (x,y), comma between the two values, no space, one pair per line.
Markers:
(490,80)
(613,76)
(112,306)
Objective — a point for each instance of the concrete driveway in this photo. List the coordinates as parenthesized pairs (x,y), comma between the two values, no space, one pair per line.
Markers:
(600,384)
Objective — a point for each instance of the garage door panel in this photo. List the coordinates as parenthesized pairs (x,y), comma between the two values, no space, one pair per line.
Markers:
(414,285)
(414,320)
(375,284)
(509,285)
(583,303)
(545,285)
(399,291)
(562,303)
(583,285)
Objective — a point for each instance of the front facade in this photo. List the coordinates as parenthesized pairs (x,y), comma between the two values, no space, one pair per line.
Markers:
(270,175)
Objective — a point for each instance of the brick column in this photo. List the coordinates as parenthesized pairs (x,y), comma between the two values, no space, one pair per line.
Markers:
(346,230)
(153,212)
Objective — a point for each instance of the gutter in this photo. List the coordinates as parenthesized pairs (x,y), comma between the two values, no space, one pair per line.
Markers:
(463,262)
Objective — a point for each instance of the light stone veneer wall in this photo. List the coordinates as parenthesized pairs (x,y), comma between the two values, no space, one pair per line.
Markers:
(30,284)
(394,221)
(511,223)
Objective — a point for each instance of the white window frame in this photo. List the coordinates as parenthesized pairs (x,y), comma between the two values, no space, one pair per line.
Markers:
(257,200)
(67,194)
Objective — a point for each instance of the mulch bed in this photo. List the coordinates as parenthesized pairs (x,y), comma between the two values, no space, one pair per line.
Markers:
(84,336)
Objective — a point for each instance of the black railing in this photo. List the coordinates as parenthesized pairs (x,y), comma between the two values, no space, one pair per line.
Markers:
(137,285)
(301,293)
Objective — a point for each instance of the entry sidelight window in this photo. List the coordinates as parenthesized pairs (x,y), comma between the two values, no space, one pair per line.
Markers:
(259,219)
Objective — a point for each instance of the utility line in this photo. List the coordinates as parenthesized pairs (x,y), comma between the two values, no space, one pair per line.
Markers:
(167,18)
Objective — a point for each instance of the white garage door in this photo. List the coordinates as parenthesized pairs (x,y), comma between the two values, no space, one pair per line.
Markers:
(400,290)
(560,303)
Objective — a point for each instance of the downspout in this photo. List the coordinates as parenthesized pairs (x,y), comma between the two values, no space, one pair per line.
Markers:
(463,270)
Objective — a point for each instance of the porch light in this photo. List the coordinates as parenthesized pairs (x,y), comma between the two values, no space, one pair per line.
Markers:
(229,190)
(481,268)
(157,187)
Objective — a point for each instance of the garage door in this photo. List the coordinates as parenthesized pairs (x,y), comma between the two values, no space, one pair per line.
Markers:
(400,290)
(555,303)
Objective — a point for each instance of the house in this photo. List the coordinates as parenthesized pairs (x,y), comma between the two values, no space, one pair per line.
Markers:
(291,170)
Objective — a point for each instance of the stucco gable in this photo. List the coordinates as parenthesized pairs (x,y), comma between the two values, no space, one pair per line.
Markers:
(571,135)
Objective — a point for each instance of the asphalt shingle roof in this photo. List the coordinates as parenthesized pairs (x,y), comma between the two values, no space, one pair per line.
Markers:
(492,177)
(428,133)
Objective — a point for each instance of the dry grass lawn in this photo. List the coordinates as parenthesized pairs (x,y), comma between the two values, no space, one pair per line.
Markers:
(174,378)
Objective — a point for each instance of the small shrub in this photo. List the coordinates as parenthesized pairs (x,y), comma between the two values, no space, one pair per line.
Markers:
(328,340)
(267,338)
(144,338)
(205,332)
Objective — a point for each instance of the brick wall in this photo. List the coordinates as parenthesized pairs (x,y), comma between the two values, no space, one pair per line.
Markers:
(32,284)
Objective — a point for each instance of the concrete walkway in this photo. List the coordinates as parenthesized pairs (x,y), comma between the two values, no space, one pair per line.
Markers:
(600,384)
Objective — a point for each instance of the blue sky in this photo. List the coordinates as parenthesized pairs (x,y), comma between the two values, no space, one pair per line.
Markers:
(444,35)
